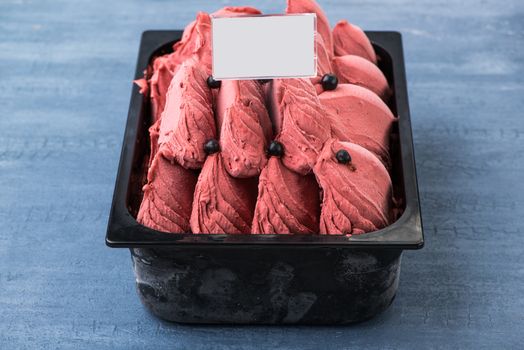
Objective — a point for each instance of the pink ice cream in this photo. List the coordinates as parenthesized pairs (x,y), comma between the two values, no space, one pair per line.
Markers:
(305,188)
(323,41)
(359,71)
(324,64)
(233,11)
(360,116)
(287,202)
(348,39)
(196,43)
(162,74)
(154,134)
(222,203)
(357,197)
(245,128)
(299,121)
(162,208)
(188,121)
(323,28)
(323,58)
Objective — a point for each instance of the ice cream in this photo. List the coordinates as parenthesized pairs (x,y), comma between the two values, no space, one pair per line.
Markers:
(188,120)
(324,39)
(287,202)
(195,43)
(222,203)
(232,11)
(349,39)
(154,134)
(290,156)
(162,208)
(357,195)
(226,191)
(323,58)
(245,128)
(358,115)
(324,63)
(359,71)
(160,80)
(299,122)
(323,28)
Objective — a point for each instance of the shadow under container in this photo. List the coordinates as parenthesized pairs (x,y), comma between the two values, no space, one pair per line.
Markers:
(266,279)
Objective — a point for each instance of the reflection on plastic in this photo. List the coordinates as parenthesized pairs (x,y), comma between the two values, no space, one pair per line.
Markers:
(264,47)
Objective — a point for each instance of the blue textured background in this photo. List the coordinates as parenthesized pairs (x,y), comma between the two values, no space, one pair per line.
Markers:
(65,78)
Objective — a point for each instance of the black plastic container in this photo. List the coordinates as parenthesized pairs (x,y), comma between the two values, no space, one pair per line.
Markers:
(266,279)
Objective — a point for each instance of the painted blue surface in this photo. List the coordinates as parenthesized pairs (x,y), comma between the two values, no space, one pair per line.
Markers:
(65,71)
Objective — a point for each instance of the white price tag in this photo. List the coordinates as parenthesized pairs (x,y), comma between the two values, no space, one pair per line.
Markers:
(264,47)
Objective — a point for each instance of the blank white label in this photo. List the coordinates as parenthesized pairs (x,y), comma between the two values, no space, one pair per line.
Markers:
(264,47)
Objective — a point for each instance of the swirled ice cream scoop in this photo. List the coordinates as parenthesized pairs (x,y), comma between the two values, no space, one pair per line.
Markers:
(222,203)
(195,42)
(162,208)
(188,121)
(287,202)
(356,187)
(349,39)
(244,127)
(299,121)
(358,115)
(359,71)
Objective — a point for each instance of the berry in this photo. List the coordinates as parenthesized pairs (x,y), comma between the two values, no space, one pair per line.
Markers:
(343,156)
(212,83)
(329,82)
(275,149)
(211,146)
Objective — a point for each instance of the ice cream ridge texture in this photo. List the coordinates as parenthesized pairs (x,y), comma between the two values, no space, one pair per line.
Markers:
(284,156)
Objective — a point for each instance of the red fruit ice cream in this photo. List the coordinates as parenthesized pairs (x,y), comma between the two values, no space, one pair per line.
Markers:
(323,28)
(233,11)
(196,43)
(299,122)
(290,156)
(222,203)
(357,197)
(324,64)
(162,74)
(163,208)
(348,39)
(356,70)
(358,115)
(188,121)
(287,202)
(245,128)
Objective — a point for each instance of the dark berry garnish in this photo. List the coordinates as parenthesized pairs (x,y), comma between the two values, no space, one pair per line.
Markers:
(275,149)
(212,83)
(329,81)
(211,146)
(343,156)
